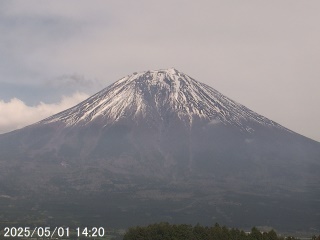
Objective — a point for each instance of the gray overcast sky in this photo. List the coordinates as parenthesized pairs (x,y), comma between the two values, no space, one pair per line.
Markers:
(263,54)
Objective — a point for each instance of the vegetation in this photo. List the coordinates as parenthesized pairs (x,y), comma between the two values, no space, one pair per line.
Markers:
(166,231)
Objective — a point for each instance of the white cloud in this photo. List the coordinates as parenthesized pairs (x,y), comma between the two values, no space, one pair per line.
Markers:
(16,114)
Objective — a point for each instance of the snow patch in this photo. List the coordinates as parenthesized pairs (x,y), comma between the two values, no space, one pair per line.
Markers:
(214,122)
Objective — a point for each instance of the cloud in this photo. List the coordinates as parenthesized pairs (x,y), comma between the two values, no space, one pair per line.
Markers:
(49,91)
(16,114)
(75,82)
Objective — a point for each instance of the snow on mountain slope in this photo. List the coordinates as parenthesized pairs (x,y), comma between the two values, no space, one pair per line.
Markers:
(153,94)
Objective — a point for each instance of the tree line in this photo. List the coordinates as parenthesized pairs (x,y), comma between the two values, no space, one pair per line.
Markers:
(166,231)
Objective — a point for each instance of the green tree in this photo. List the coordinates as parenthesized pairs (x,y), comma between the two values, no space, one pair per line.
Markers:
(255,234)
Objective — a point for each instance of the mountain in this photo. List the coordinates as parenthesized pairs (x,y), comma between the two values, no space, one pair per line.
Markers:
(160,146)
(155,95)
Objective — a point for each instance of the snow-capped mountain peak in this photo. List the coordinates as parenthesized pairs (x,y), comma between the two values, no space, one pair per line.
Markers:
(156,95)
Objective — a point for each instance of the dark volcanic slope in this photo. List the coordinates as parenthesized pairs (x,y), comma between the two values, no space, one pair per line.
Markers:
(160,146)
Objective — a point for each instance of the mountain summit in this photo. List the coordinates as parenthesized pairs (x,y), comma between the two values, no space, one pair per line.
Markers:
(159,146)
(154,96)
